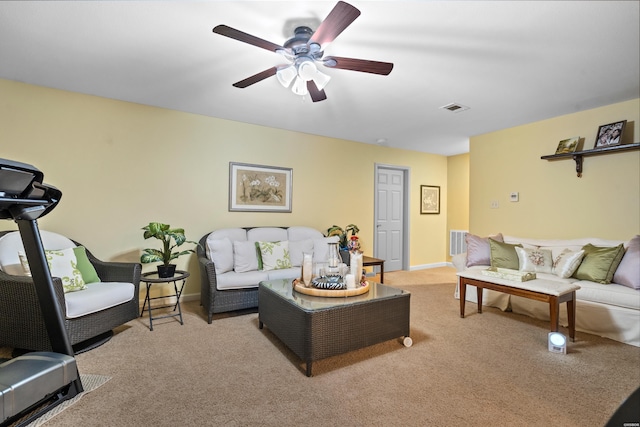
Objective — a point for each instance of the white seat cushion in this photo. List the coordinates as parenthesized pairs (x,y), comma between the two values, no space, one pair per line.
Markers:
(98,296)
(285,273)
(233,280)
(611,294)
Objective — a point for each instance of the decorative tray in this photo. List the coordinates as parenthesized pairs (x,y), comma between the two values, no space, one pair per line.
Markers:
(313,291)
(509,274)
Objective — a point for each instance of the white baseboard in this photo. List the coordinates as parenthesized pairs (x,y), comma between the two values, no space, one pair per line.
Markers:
(427,266)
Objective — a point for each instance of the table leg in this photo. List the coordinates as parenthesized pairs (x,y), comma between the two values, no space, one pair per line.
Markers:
(382,273)
(149,308)
(479,293)
(571,314)
(175,288)
(554,308)
(462,288)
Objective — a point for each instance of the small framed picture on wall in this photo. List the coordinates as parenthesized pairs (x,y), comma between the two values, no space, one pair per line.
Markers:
(429,199)
(610,135)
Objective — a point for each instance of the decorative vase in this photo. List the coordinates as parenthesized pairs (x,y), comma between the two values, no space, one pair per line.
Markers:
(307,269)
(165,271)
(334,260)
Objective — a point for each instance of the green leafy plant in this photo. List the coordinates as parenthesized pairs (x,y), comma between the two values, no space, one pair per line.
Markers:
(166,234)
(343,233)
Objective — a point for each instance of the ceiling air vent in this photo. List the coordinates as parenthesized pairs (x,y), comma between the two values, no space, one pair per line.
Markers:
(456,108)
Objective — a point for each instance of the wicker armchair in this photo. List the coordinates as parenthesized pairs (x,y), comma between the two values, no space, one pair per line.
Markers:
(21,322)
(214,300)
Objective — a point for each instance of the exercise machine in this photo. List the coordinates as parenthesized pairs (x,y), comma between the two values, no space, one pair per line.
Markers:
(35,383)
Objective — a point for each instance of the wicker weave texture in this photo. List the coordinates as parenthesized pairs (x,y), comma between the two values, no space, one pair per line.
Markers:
(21,322)
(317,334)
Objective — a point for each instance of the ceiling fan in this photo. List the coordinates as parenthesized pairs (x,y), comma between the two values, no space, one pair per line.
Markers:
(304,53)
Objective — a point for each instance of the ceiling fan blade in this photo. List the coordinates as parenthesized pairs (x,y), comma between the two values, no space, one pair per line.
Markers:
(256,78)
(246,38)
(340,17)
(316,94)
(363,65)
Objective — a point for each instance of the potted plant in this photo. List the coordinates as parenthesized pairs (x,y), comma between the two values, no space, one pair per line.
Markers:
(165,255)
(344,239)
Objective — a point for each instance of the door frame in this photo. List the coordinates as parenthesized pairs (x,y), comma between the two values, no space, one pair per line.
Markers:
(406,172)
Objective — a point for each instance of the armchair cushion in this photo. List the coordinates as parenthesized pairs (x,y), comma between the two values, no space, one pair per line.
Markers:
(96,297)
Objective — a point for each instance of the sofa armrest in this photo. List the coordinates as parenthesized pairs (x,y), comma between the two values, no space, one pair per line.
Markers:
(459,261)
(208,275)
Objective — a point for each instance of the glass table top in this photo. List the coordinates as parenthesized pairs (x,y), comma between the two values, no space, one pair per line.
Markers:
(284,288)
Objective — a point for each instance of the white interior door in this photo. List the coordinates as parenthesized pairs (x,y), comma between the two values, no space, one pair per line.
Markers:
(391,234)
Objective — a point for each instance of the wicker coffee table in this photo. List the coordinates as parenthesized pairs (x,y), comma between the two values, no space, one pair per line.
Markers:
(318,327)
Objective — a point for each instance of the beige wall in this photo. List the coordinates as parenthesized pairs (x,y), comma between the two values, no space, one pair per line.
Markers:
(121,165)
(554,202)
(458,202)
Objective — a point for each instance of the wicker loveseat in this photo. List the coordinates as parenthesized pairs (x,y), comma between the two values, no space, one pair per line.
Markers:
(88,314)
(234,286)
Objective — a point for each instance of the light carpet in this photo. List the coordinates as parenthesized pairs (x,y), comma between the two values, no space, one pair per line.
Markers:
(484,370)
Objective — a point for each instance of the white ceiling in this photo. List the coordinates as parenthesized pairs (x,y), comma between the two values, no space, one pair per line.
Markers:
(511,62)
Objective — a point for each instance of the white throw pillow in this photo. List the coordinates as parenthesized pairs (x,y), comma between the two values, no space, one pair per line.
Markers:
(534,259)
(567,263)
(275,255)
(221,253)
(297,248)
(63,264)
(245,257)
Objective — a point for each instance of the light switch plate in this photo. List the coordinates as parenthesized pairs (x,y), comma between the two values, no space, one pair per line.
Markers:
(514,196)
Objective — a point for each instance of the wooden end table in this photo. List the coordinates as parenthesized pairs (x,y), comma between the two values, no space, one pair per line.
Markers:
(368,261)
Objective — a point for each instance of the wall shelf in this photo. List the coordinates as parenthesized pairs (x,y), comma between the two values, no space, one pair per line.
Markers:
(579,155)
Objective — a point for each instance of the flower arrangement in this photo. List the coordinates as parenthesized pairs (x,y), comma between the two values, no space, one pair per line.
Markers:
(343,234)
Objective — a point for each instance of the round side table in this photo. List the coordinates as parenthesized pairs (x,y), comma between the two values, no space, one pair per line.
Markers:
(152,278)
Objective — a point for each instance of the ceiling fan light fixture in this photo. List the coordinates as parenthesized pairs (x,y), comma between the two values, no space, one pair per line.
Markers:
(300,87)
(286,75)
(307,70)
(321,79)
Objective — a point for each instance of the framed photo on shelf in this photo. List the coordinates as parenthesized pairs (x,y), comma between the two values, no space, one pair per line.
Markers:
(257,188)
(609,135)
(429,199)
(568,145)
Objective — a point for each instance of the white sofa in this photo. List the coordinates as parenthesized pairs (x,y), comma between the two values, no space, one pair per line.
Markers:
(609,310)
(230,267)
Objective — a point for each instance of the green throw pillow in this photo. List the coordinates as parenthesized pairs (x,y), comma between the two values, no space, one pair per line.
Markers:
(259,255)
(599,263)
(87,270)
(503,255)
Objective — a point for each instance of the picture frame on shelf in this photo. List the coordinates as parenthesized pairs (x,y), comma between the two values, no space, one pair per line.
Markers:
(569,145)
(259,188)
(610,134)
(429,199)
